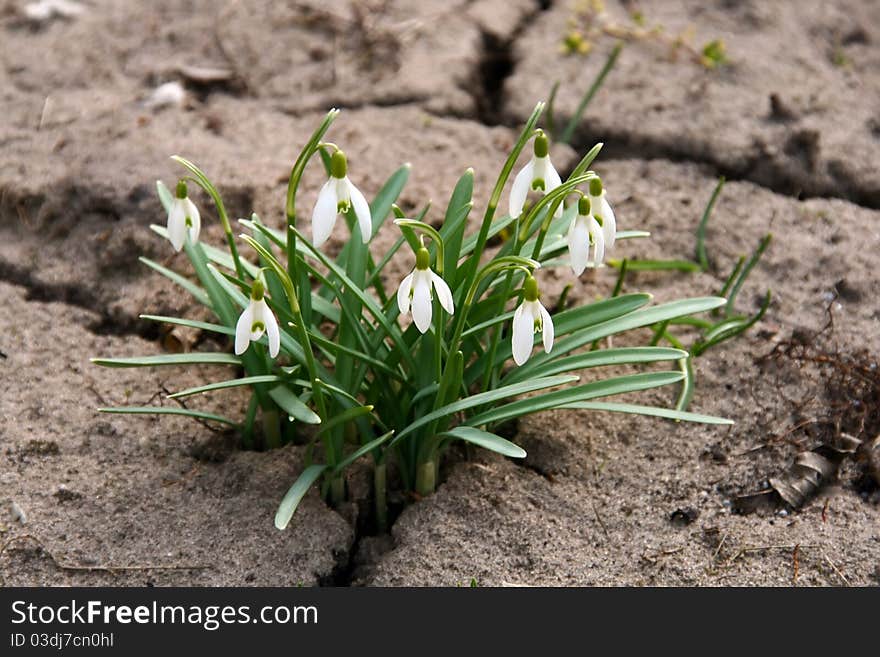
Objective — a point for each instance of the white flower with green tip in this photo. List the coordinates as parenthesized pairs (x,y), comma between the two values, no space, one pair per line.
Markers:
(601,209)
(255,320)
(584,232)
(337,196)
(538,174)
(183,219)
(415,292)
(531,317)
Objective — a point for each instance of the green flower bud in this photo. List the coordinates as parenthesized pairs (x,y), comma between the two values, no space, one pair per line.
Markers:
(542,145)
(584,206)
(595,187)
(423,259)
(338,165)
(530,289)
(181,189)
(257,290)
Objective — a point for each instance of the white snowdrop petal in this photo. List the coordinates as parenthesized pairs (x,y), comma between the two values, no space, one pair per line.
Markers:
(598,242)
(195,218)
(403,292)
(421,302)
(444,294)
(547,330)
(362,211)
(523,334)
(578,245)
(177,224)
(609,223)
(272,331)
(520,189)
(551,182)
(243,330)
(324,214)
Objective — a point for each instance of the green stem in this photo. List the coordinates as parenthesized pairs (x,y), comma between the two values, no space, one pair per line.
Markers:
(426,478)
(337,490)
(381,494)
(272,428)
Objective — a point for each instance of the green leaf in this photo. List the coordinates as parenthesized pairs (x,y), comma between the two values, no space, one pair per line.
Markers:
(360,451)
(171,410)
(649,410)
(191,323)
(631,234)
(702,258)
(455,220)
(345,416)
(572,125)
(486,440)
(198,293)
(231,383)
(385,198)
(194,358)
(657,265)
(637,319)
(555,399)
(293,405)
(619,356)
(165,195)
(295,494)
(485,398)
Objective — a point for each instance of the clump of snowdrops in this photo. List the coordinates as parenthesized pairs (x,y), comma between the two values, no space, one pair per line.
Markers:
(335,359)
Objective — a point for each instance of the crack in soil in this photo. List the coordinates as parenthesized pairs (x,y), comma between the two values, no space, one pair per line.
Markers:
(79,297)
(788,177)
(496,63)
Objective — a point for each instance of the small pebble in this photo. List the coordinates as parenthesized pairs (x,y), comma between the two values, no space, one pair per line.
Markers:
(170,94)
(18,513)
(46,10)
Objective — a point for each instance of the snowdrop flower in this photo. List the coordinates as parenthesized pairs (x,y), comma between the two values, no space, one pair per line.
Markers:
(337,196)
(601,209)
(539,173)
(584,232)
(183,219)
(530,318)
(257,319)
(415,291)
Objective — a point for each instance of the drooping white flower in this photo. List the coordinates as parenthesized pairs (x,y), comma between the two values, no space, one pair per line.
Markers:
(538,174)
(337,196)
(255,320)
(531,317)
(183,219)
(415,292)
(584,232)
(601,209)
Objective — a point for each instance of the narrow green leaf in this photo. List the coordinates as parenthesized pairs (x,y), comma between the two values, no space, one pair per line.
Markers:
(619,356)
(360,451)
(656,265)
(231,383)
(170,410)
(702,258)
(557,398)
(486,440)
(194,358)
(572,125)
(293,405)
(191,323)
(649,410)
(198,293)
(387,195)
(485,398)
(345,416)
(295,494)
(165,195)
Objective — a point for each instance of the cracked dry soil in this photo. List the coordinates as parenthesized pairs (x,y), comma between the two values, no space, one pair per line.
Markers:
(600,499)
